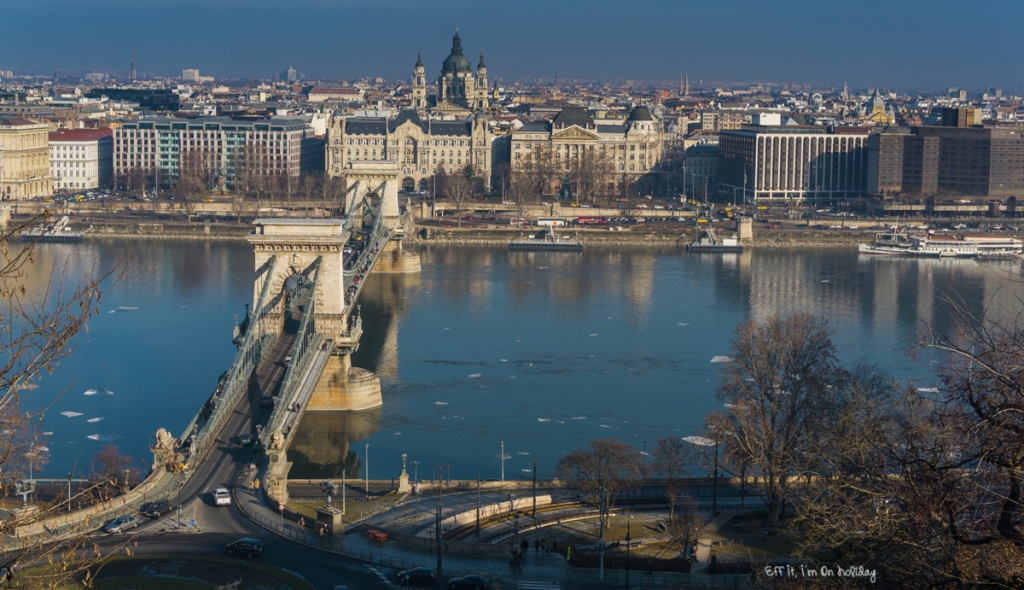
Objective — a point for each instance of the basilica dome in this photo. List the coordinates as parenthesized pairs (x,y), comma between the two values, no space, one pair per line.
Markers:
(456,62)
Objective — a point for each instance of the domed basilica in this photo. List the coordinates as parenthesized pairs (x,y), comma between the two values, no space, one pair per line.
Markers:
(459,92)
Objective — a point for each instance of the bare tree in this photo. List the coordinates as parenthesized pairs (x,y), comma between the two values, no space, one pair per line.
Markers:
(590,173)
(136,180)
(669,460)
(459,188)
(686,525)
(520,192)
(192,176)
(777,391)
(37,330)
(539,166)
(111,473)
(602,471)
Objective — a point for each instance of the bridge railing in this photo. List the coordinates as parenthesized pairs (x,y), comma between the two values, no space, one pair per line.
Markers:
(306,339)
(254,346)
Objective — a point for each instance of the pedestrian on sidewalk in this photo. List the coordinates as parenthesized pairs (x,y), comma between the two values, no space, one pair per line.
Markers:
(544,545)
(524,546)
(536,545)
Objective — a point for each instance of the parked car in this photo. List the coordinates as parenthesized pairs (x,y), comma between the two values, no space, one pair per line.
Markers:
(419,575)
(155,509)
(248,547)
(472,582)
(221,497)
(122,523)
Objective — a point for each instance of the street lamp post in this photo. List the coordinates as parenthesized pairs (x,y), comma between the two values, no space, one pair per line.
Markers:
(366,455)
(707,442)
(629,521)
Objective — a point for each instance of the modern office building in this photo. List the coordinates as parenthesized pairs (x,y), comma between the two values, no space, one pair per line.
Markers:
(156,99)
(947,161)
(81,158)
(767,161)
(24,159)
(275,147)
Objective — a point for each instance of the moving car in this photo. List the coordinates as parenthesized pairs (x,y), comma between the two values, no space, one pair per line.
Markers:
(221,497)
(155,509)
(472,582)
(245,439)
(419,575)
(248,547)
(122,523)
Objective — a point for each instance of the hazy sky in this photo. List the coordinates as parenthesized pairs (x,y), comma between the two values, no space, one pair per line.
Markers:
(902,44)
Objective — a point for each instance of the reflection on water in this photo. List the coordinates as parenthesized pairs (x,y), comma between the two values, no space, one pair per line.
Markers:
(546,351)
(320,448)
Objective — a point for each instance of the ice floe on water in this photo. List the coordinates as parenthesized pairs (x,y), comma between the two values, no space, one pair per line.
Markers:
(605,426)
(523,453)
(543,419)
(71,414)
(91,392)
(928,389)
(440,403)
(48,433)
(128,308)
(474,375)
(503,360)
(682,324)
(104,437)
(97,419)
(592,335)
(721,359)
(579,417)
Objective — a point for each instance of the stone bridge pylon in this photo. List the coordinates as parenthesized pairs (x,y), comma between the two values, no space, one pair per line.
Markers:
(333,257)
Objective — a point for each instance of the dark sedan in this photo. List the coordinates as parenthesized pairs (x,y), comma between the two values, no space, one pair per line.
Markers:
(246,547)
(155,509)
(469,583)
(419,575)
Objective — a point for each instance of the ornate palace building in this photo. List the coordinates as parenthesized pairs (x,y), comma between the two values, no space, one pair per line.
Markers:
(634,146)
(416,147)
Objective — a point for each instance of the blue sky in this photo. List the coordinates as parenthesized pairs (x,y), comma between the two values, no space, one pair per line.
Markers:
(902,44)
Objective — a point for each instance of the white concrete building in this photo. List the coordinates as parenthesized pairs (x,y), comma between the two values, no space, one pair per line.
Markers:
(81,158)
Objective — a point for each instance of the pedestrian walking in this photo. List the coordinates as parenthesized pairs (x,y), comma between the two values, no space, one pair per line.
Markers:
(525,546)
(544,545)
(302,523)
(554,546)
(536,545)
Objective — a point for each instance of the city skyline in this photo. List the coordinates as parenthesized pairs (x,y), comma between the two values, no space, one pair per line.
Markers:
(736,40)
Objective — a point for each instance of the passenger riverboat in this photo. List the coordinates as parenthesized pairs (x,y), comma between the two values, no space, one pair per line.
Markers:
(59,231)
(894,243)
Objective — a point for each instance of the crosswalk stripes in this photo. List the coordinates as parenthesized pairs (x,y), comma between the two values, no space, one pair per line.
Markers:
(382,577)
(538,585)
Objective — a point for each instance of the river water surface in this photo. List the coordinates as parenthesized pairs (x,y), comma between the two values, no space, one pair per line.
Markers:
(541,351)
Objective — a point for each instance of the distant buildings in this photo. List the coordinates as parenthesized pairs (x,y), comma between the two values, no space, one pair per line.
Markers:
(701,171)
(768,161)
(190,76)
(24,159)
(274,147)
(81,158)
(458,90)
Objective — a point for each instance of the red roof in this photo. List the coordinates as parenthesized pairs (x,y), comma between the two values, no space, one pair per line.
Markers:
(81,134)
(15,121)
(338,91)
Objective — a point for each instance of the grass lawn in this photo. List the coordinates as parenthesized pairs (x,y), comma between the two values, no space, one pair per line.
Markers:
(188,572)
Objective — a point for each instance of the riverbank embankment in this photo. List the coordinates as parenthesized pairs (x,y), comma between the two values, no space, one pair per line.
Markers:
(635,237)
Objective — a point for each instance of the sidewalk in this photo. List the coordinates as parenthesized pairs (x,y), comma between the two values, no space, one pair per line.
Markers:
(704,549)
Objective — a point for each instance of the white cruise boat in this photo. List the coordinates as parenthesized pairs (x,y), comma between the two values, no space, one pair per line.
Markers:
(944,246)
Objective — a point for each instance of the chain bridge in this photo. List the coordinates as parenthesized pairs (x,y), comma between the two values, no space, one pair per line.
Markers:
(295,345)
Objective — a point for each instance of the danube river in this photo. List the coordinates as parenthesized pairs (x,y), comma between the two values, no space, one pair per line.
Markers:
(541,351)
